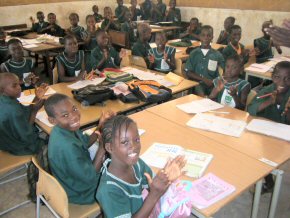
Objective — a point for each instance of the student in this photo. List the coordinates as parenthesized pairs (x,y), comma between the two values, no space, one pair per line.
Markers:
(4,55)
(203,62)
(173,14)
(129,27)
(98,17)
(70,63)
(158,11)
(18,134)
(141,47)
(120,11)
(105,56)
(125,175)
(75,28)
(229,89)
(235,47)
(41,24)
(109,22)
(146,8)
(224,37)
(53,29)
(263,45)
(19,65)
(193,30)
(68,154)
(162,58)
(136,12)
(280,35)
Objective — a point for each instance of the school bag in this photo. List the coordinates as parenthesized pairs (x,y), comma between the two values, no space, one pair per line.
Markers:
(93,94)
(121,91)
(149,91)
(114,75)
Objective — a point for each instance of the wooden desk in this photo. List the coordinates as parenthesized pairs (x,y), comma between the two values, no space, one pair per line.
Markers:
(156,28)
(228,164)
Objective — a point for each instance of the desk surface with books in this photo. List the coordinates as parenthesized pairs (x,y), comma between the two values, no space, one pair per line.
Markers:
(228,164)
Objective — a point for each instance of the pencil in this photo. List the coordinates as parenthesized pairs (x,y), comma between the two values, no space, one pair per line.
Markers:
(264,96)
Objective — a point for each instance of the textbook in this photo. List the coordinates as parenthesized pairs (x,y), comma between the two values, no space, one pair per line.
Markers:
(199,106)
(270,128)
(209,189)
(158,154)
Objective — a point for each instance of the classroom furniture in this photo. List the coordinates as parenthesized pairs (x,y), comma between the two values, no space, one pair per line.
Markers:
(137,61)
(119,38)
(54,75)
(228,164)
(51,193)
(22,26)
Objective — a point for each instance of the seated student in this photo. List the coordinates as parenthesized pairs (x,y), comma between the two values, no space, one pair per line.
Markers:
(75,28)
(104,55)
(229,89)
(98,17)
(128,27)
(158,11)
(109,22)
(136,12)
(120,11)
(70,63)
(41,24)
(89,38)
(203,62)
(146,8)
(125,175)
(53,29)
(162,58)
(224,37)
(68,154)
(173,14)
(19,65)
(4,55)
(18,134)
(193,30)
(263,45)
(141,47)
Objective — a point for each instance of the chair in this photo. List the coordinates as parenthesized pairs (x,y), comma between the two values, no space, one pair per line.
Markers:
(137,61)
(119,38)
(54,197)
(179,67)
(54,75)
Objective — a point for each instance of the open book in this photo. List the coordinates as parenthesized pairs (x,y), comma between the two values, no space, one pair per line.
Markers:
(158,154)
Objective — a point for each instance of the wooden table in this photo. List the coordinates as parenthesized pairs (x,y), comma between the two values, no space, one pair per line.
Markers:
(228,164)
(267,75)
(157,28)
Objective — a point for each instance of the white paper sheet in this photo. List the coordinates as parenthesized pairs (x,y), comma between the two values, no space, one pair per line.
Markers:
(261,68)
(84,83)
(42,117)
(199,106)
(25,99)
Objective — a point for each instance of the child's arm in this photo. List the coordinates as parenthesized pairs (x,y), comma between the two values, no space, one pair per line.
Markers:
(217,89)
(223,35)
(63,78)
(194,76)
(240,101)
(170,61)
(286,111)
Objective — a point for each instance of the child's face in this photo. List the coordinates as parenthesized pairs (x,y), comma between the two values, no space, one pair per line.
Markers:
(51,19)
(103,39)
(128,16)
(73,19)
(193,24)
(281,78)
(126,147)
(40,17)
(16,50)
(134,3)
(96,9)
(91,21)
(172,4)
(228,24)
(108,13)
(146,35)
(120,2)
(71,46)
(66,115)
(232,69)
(160,40)
(159,1)
(264,26)
(11,86)
(206,37)
(236,36)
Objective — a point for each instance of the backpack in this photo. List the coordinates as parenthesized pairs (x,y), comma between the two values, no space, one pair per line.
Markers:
(150,91)
(93,94)
(116,75)
(121,91)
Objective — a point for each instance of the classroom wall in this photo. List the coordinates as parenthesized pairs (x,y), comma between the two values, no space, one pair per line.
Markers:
(249,20)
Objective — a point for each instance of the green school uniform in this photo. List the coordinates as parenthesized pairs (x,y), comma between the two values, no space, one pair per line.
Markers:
(37,27)
(230,51)
(71,165)
(174,16)
(265,48)
(71,68)
(142,50)
(55,31)
(145,8)
(273,112)
(113,60)
(156,17)
(159,64)
(118,198)
(135,14)
(118,12)
(191,37)
(224,97)
(204,65)
(77,31)
(88,48)
(225,40)
(18,136)
(19,68)
(113,26)
(98,17)
(126,27)
(3,53)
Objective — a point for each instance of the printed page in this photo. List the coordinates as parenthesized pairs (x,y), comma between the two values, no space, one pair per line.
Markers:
(199,106)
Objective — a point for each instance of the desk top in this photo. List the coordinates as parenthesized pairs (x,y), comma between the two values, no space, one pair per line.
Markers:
(228,164)
(156,28)
(250,143)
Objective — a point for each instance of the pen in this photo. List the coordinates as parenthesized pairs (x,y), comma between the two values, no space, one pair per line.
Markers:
(264,96)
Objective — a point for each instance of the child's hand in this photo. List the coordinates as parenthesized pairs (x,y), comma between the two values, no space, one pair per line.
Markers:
(173,168)
(106,54)
(41,90)
(32,20)
(122,53)
(257,51)
(165,55)
(233,90)
(208,82)
(287,107)
(286,24)
(278,48)
(220,85)
(159,184)
(273,97)
(104,117)
(151,59)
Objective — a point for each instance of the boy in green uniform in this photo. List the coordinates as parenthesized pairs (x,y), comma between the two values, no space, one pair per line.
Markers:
(263,45)
(224,37)
(129,27)
(75,28)
(108,22)
(104,55)
(193,31)
(173,14)
(145,8)
(158,11)
(229,89)
(41,24)
(136,12)
(125,175)
(68,154)
(3,47)
(18,134)
(53,29)
(202,64)
(120,11)
(141,47)
(98,17)
(70,63)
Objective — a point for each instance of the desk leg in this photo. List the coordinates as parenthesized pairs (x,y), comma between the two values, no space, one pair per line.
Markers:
(274,200)
(257,196)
